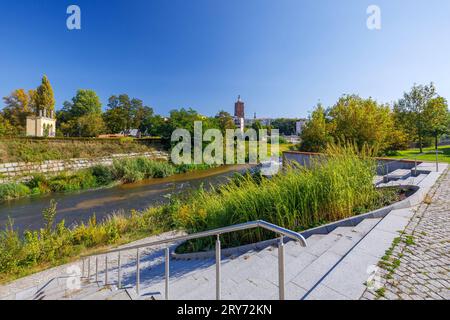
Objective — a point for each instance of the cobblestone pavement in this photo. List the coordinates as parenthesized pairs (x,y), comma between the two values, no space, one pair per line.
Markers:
(417,266)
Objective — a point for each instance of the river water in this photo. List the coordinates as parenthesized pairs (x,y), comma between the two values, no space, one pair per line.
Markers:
(74,208)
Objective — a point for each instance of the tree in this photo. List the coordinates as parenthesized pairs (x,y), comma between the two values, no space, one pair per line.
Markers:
(17,108)
(141,115)
(224,121)
(285,126)
(410,110)
(91,125)
(123,114)
(6,129)
(437,118)
(85,102)
(361,121)
(44,98)
(74,117)
(315,136)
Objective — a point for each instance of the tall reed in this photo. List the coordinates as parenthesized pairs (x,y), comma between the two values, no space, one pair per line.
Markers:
(299,198)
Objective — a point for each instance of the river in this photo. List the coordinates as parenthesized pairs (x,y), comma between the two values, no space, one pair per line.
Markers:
(74,208)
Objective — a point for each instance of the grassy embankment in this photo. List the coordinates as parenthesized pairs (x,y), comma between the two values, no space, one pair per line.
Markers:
(297,199)
(41,149)
(411,154)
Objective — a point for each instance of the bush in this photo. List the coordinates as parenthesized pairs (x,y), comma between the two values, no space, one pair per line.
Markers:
(135,169)
(102,174)
(13,190)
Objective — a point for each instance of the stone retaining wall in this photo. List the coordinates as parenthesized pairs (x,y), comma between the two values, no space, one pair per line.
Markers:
(20,170)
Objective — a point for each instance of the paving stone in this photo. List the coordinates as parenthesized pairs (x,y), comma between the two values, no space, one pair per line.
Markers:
(424,263)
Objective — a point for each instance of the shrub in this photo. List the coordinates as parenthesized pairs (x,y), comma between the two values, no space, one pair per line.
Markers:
(135,169)
(13,190)
(103,174)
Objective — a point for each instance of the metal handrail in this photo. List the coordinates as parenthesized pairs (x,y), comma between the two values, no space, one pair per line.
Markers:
(282,232)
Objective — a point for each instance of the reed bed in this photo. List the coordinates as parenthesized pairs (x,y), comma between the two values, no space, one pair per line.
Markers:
(337,186)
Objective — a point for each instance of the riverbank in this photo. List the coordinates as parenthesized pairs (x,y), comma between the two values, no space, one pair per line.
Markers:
(125,170)
(78,207)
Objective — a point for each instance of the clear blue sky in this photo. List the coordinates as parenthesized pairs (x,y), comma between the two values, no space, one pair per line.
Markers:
(282,56)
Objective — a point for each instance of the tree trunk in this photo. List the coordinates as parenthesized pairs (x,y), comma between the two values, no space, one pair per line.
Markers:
(436,141)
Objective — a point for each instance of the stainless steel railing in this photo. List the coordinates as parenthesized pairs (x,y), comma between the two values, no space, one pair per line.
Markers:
(386,165)
(282,232)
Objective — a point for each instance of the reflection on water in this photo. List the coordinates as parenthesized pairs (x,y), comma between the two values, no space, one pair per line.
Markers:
(77,207)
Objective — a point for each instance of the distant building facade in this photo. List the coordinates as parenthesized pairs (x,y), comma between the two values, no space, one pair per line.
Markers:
(43,125)
(299,125)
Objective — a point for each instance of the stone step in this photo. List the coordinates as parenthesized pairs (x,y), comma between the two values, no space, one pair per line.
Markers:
(399,174)
(101,293)
(250,271)
(308,277)
(62,292)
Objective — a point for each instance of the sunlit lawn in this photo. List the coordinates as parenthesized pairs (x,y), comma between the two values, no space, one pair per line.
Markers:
(412,153)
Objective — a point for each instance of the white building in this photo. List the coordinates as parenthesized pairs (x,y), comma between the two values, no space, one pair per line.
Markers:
(41,126)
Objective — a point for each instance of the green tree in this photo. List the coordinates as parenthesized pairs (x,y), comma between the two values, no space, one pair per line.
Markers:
(361,121)
(315,135)
(85,102)
(73,118)
(91,125)
(437,118)
(410,110)
(224,121)
(141,115)
(44,98)
(285,126)
(124,113)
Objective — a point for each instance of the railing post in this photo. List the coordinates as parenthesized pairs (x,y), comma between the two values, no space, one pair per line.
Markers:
(415,166)
(82,268)
(106,270)
(96,269)
(218,261)
(89,269)
(119,272)
(167,269)
(437,161)
(137,271)
(281,267)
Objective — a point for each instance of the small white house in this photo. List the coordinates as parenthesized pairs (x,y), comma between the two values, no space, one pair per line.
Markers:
(41,126)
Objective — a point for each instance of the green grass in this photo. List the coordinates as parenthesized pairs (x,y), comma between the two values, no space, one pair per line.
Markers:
(412,153)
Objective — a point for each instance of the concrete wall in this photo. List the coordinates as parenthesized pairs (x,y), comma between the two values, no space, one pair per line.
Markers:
(20,170)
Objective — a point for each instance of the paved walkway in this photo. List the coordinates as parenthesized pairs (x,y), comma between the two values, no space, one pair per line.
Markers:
(417,266)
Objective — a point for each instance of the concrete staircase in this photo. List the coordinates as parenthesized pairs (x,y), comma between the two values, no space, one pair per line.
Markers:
(252,275)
